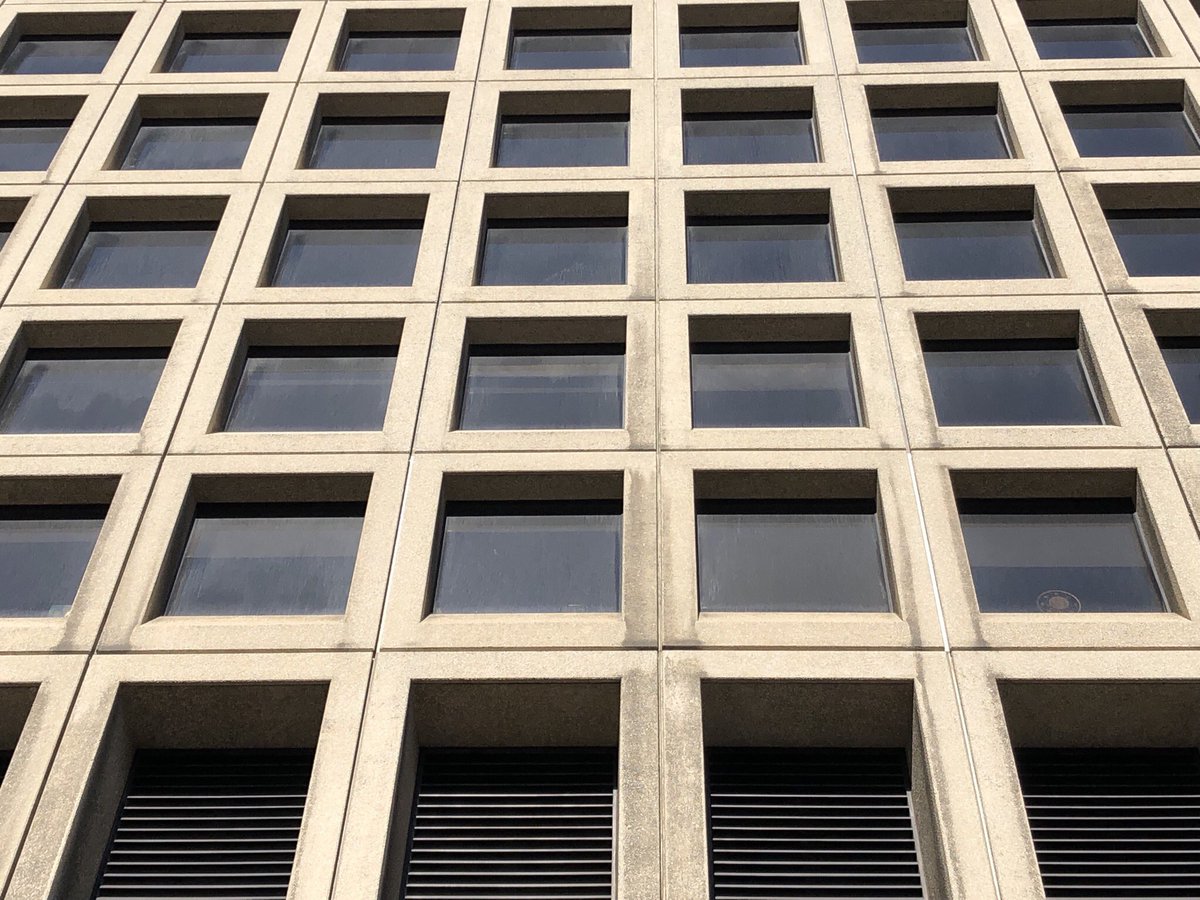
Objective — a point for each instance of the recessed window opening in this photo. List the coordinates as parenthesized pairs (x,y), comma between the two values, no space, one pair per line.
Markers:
(1155,236)
(960,122)
(1144,118)
(33,129)
(1179,342)
(942,32)
(225,42)
(56,45)
(749,127)
(1102,36)
(570,38)
(370,131)
(16,702)
(760,34)
(396,40)
(578,129)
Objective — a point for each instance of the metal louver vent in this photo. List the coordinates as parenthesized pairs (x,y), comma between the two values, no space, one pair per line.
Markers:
(809,823)
(1114,822)
(533,824)
(207,824)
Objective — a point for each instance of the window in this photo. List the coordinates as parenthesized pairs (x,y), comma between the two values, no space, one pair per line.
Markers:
(30,145)
(529,556)
(1089,39)
(579,139)
(82,391)
(1182,356)
(341,388)
(914,42)
(570,38)
(227,52)
(722,35)
(267,559)
(1157,242)
(59,54)
(789,555)
(1148,129)
(376,142)
(1032,381)
(759,127)
(543,386)
(44,551)
(767,384)
(399,51)
(569,249)
(913,127)
(140,255)
(343,252)
(1031,555)
(215,143)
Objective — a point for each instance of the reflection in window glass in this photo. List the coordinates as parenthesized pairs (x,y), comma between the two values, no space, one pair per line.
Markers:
(30,146)
(593,48)
(773,385)
(748,138)
(1182,356)
(904,135)
(344,142)
(971,246)
(530,557)
(1157,242)
(141,255)
(313,389)
(764,45)
(92,391)
(67,54)
(530,386)
(750,249)
(1089,39)
(553,251)
(1009,382)
(579,140)
(189,144)
(790,556)
(380,253)
(236,52)
(914,43)
(44,551)
(399,51)
(1141,130)
(1069,555)
(244,559)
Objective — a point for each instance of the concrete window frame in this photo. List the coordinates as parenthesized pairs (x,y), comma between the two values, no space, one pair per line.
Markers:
(82,108)
(131,21)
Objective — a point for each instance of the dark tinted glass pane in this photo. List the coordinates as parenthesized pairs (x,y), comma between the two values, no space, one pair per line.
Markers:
(161,255)
(761,249)
(530,557)
(44,551)
(200,144)
(539,386)
(30,146)
(1089,39)
(333,254)
(1182,356)
(769,385)
(1159,243)
(395,51)
(987,245)
(1058,556)
(907,135)
(1131,131)
(750,138)
(562,141)
(376,143)
(790,556)
(915,43)
(5,230)
(60,55)
(579,49)
(313,389)
(1032,382)
(267,559)
(771,45)
(553,251)
(229,53)
(82,391)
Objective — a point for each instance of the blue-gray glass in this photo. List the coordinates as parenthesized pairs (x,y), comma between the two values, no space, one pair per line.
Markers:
(1089,39)
(399,51)
(773,385)
(150,255)
(381,253)
(758,249)
(576,140)
(790,556)
(5,231)
(93,391)
(1009,382)
(1051,555)
(915,42)
(1161,242)
(591,48)
(1182,356)
(947,246)
(233,52)
(1134,130)
(30,146)
(409,142)
(757,138)
(161,144)
(530,557)
(763,45)
(44,552)
(543,386)
(907,135)
(553,251)
(313,389)
(243,559)
(65,54)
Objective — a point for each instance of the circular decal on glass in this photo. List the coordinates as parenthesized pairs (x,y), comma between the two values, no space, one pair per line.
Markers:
(1058,601)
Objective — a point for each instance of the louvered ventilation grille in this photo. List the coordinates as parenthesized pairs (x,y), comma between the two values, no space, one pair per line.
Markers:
(1115,822)
(810,824)
(508,824)
(207,824)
